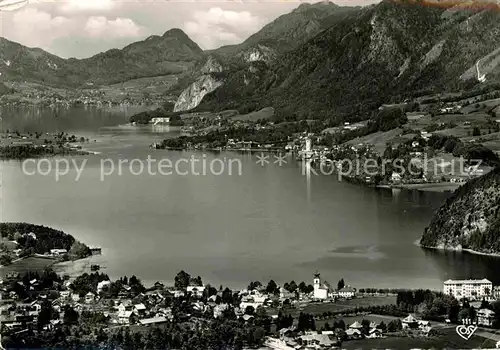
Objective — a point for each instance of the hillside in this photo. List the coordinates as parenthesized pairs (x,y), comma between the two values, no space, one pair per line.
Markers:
(389,51)
(172,53)
(470,218)
(18,62)
(274,40)
(289,30)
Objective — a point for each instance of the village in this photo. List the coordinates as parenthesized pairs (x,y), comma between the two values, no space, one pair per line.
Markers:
(298,316)
(425,144)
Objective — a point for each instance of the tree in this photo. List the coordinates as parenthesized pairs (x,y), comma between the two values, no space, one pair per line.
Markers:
(182,280)
(70,315)
(341,284)
(309,289)
(196,281)
(227,296)
(46,314)
(5,260)
(366,326)
(249,310)
(476,131)
(453,310)
(306,322)
(209,291)
(79,250)
(395,326)
(254,285)
(272,287)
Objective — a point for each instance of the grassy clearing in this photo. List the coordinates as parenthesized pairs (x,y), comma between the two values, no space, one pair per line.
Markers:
(446,338)
(379,139)
(34,264)
(264,113)
(348,320)
(343,305)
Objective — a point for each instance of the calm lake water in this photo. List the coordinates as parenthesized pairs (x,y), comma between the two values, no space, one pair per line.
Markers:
(268,222)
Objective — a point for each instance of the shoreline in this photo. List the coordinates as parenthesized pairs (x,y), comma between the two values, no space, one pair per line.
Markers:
(459,250)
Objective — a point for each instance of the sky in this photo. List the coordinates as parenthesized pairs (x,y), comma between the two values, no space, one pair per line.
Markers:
(82,28)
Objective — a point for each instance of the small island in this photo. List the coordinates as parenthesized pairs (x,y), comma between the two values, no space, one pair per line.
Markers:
(27,246)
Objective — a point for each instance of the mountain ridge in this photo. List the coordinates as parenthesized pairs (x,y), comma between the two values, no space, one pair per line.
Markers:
(383,52)
(172,53)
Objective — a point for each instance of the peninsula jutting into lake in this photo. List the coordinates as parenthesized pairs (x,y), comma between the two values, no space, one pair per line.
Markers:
(238,176)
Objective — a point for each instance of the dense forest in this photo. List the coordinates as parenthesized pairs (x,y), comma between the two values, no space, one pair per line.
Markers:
(37,239)
(470,218)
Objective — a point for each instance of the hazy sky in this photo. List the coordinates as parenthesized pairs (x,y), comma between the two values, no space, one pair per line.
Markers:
(82,28)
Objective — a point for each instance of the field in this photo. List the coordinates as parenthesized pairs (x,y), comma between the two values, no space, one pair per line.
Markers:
(341,305)
(264,113)
(154,87)
(29,264)
(378,139)
(348,320)
(445,338)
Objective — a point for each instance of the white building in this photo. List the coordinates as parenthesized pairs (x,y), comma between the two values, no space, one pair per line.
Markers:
(139,309)
(89,297)
(102,284)
(496,292)
(396,178)
(58,252)
(347,292)
(125,317)
(196,290)
(160,120)
(245,304)
(308,145)
(471,289)
(485,317)
(322,290)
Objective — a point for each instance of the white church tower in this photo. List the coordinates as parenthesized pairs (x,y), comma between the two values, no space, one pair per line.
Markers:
(320,289)
(317,280)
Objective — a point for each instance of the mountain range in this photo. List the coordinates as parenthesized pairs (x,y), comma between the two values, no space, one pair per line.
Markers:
(172,53)
(377,54)
(318,60)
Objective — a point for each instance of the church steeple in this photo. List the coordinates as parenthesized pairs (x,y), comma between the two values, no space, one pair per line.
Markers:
(317,280)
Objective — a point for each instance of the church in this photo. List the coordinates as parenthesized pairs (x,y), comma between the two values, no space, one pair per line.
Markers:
(322,290)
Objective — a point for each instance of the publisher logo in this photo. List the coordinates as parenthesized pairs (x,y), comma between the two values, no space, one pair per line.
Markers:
(466,331)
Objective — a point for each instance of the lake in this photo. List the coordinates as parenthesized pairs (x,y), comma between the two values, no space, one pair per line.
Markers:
(260,222)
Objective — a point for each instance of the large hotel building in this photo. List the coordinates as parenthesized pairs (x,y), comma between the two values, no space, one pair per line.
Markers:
(470,289)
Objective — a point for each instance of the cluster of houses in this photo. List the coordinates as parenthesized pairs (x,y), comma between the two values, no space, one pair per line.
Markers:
(149,307)
(291,339)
